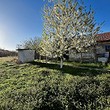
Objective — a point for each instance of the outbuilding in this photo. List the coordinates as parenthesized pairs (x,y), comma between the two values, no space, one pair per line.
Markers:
(26,55)
(102,50)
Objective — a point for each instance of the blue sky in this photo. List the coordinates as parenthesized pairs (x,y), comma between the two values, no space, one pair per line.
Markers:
(22,19)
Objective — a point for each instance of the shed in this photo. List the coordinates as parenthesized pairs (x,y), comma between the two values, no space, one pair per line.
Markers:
(26,55)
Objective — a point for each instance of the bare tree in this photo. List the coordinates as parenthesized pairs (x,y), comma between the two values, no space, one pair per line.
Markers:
(33,43)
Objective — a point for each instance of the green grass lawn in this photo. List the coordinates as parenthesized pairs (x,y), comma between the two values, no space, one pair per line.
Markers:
(37,85)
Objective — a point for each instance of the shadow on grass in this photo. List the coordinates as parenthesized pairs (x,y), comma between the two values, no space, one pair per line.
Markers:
(88,65)
(70,69)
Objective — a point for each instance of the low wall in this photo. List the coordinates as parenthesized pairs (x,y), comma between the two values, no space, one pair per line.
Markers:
(85,57)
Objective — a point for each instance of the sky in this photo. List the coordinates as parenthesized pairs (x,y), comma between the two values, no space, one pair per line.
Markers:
(21,20)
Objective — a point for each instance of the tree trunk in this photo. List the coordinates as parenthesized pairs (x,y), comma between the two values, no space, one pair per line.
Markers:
(81,60)
(61,63)
(35,54)
(39,57)
(46,59)
(95,55)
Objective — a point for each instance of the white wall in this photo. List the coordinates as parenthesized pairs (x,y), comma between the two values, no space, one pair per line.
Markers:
(26,55)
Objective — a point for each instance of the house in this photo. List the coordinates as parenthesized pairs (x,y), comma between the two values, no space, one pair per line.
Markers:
(102,50)
(103,46)
(26,55)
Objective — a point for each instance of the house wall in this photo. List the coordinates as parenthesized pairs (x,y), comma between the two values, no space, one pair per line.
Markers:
(87,56)
(103,51)
(90,56)
(100,48)
(26,55)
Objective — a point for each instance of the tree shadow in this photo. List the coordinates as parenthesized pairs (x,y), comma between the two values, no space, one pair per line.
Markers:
(77,71)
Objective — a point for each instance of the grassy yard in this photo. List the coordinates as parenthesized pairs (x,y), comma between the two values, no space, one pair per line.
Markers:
(5,59)
(37,85)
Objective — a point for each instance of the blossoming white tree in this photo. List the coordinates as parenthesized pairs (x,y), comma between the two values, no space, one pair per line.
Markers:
(68,25)
(87,31)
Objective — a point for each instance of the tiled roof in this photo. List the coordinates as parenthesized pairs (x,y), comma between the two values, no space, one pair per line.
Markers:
(103,37)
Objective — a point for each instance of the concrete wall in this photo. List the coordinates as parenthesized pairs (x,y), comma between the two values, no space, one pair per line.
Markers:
(86,56)
(100,49)
(26,55)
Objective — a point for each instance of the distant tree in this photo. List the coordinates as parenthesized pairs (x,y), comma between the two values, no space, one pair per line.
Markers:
(44,47)
(33,43)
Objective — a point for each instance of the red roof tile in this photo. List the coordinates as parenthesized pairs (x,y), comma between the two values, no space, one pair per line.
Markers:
(103,37)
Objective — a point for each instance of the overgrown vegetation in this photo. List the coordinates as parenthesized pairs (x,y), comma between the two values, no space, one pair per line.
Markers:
(40,86)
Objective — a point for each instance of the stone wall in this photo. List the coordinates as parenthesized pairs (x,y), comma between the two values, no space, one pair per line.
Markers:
(87,56)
